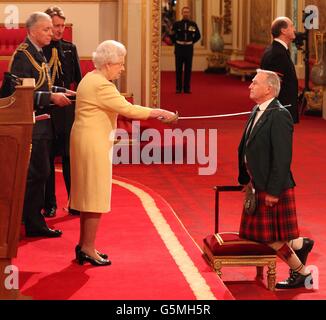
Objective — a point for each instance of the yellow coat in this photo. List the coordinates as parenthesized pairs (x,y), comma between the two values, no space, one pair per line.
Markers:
(97,107)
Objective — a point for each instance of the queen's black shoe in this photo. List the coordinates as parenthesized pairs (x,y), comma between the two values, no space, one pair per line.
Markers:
(78,249)
(83,257)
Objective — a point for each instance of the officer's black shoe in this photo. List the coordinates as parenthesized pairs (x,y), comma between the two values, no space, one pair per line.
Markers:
(178,91)
(73,212)
(187,91)
(304,251)
(44,232)
(296,280)
(50,213)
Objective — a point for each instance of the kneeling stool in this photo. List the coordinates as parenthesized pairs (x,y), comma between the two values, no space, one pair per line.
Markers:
(228,249)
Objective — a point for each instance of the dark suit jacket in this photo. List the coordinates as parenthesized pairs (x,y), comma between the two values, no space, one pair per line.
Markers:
(268,151)
(276,58)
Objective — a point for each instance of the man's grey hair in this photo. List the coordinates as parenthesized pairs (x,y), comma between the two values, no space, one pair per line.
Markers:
(36,17)
(108,51)
(272,80)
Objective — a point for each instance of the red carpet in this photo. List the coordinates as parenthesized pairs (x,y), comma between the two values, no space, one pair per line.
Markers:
(125,233)
(211,94)
(145,264)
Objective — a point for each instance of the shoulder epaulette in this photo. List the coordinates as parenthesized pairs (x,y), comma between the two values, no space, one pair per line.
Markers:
(22,46)
(42,69)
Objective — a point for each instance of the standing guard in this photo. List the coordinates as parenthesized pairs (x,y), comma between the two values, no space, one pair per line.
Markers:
(184,34)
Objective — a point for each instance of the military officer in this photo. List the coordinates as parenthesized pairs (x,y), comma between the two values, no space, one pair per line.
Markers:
(184,34)
(28,61)
(65,71)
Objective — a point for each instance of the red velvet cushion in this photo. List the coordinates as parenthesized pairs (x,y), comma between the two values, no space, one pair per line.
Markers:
(241,64)
(86,66)
(3,68)
(11,38)
(230,244)
(254,52)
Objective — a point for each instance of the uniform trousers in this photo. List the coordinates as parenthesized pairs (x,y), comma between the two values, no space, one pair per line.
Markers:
(183,58)
(38,173)
(63,119)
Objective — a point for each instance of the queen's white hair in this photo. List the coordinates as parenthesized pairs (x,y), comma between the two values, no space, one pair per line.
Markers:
(108,51)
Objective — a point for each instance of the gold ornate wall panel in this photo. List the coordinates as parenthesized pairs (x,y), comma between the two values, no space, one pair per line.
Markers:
(227,10)
(260,21)
(289,8)
(156,52)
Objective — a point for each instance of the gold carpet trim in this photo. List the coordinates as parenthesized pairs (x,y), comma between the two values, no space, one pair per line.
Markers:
(192,275)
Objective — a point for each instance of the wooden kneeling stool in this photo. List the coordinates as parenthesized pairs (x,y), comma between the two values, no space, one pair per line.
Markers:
(228,249)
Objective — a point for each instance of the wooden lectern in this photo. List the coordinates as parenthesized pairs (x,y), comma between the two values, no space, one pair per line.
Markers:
(16,125)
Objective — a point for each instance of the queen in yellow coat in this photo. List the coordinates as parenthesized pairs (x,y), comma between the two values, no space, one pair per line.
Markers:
(97,107)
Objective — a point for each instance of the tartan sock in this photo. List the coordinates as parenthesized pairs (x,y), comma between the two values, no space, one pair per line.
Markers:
(286,253)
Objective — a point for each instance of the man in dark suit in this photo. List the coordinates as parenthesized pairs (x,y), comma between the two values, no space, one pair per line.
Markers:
(265,155)
(28,61)
(65,72)
(184,34)
(277,58)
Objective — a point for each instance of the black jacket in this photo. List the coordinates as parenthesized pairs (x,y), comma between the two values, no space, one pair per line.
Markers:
(276,58)
(185,30)
(68,71)
(268,151)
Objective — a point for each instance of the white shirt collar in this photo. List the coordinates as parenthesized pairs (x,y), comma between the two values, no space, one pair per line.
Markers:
(282,43)
(264,105)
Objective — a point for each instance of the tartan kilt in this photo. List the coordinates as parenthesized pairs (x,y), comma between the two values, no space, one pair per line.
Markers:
(271,224)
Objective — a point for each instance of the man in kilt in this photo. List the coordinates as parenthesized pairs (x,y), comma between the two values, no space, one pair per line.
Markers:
(265,155)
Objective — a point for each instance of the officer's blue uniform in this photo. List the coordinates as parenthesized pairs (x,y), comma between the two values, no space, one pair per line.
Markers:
(28,62)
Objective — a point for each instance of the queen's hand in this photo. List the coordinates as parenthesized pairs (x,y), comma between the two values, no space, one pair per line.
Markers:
(164,115)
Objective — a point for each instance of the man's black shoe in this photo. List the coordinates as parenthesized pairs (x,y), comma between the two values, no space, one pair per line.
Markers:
(50,213)
(296,280)
(304,251)
(73,212)
(187,91)
(45,232)
(178,91)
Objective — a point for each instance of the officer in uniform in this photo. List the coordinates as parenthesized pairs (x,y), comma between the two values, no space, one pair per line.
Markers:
(28,61)
(65,70)
(184,34)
